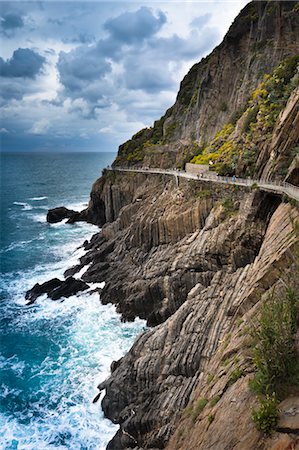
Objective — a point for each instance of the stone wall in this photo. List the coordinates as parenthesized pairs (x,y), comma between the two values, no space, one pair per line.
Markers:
(196,168)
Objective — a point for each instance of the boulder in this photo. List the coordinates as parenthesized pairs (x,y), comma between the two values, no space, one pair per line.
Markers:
(55,289)
(68,288)
(40,289)
(58,214)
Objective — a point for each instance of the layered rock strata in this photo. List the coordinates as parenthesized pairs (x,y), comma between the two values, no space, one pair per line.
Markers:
(158,376)
(195,259)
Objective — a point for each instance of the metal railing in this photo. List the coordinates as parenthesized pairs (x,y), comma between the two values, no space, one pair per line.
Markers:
(272,186)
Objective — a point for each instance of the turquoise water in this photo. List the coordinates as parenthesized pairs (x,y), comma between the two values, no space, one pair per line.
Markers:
(53,354)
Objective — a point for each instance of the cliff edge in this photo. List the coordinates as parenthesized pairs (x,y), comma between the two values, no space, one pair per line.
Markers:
(199,259)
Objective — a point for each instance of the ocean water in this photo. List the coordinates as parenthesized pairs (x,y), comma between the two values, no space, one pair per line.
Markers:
(53,354)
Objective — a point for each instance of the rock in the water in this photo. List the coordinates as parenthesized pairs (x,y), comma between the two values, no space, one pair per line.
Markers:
(40,289)
(67,288)
(58,214)
(55,289)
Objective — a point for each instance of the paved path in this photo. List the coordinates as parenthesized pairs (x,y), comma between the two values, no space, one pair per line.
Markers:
(269,186)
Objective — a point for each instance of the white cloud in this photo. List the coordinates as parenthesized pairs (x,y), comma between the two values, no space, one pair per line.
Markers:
(40,127)
(3,131)
(113,84)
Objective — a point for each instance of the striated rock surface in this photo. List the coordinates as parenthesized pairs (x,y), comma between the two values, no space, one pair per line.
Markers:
(195,259)
(165,366)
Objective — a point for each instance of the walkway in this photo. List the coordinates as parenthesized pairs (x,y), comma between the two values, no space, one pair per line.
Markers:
(269,186)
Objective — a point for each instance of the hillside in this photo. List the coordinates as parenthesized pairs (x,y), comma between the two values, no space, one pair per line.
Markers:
(199,260)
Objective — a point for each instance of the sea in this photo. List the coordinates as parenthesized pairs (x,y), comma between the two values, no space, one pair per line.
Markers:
(53,353)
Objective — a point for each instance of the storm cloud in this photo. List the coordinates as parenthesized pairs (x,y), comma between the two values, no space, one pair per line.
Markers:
(132,57)
(136,26)
(88,75)
(11,21)
(23,63)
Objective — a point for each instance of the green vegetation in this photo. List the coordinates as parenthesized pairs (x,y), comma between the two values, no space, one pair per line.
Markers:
(215,400)
(234,376)
(199,407)
(229,207)
(211,377)
(273,342)
(211,418)
(203,193)
(193,410)
(266,417)
(273,353)
(259,115)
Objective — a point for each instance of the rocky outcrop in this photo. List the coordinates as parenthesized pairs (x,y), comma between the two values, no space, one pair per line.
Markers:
(158,376)
(195,259)
(60,213)
(276,157)
(56,289)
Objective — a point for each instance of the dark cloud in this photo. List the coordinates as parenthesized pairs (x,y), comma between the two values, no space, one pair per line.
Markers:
(80,66)
(10,90)
(11,21)
(24,63)
(135,26)
(144,61)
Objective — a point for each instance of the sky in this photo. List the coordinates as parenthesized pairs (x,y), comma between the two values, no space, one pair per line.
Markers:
(85,76)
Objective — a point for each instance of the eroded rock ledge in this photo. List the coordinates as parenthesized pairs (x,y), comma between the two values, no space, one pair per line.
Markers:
(151,385)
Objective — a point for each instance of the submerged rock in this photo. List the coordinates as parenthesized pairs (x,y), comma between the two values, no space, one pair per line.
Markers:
(56,289)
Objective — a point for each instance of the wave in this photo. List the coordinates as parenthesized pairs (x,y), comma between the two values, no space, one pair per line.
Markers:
(35,199)
(63,350)
(77,206)
(25,206)
(41,218)
(87,336)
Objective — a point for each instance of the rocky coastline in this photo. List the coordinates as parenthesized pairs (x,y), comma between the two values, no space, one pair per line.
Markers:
(197,259)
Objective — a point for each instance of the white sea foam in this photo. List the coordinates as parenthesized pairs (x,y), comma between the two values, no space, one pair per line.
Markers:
(41,218)
(78,206)
(35,199)
(86,336)
(25,206)
(94,338)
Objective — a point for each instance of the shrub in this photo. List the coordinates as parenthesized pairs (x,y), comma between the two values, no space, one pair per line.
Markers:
(250,117)
(203,193)
(273,352)
(273,342)
(229,207)
(234,376)
(266,417)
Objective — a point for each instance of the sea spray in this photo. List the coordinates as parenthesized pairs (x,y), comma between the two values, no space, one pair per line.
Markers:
(53,354)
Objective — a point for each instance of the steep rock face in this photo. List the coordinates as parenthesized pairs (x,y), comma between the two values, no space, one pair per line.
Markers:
(217,87)
(285,138)
(169,239)
(195,258)
(155,380)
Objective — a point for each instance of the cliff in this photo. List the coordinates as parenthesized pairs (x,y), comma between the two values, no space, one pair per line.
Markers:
(216,91)
(199,259)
